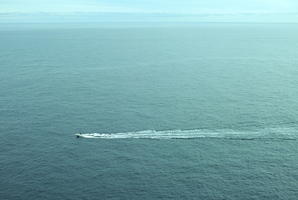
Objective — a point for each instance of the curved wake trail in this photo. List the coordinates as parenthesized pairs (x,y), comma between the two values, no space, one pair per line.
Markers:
(269,133)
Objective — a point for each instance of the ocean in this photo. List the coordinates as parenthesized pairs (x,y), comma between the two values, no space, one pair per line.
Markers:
(203,111)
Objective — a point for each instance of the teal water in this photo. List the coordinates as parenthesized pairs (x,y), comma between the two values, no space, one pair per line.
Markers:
(193,112)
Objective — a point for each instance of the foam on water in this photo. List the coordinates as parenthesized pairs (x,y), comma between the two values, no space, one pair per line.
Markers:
(268,133)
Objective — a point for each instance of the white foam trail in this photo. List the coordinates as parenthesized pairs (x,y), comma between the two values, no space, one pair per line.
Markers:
(269,133)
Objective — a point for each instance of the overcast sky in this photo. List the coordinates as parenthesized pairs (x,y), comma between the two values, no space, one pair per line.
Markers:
(105,10)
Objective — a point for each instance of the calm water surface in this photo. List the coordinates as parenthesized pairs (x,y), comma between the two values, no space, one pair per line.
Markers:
(193,112)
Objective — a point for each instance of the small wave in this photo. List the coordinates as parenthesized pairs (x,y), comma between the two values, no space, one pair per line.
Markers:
(269,133)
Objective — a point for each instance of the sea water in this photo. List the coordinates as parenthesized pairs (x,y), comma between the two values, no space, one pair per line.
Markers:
(205,111)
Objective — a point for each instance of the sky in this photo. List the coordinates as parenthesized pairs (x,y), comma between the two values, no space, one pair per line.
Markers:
(148,10)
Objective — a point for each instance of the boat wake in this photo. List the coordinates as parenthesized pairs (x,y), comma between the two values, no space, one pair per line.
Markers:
(268,133)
